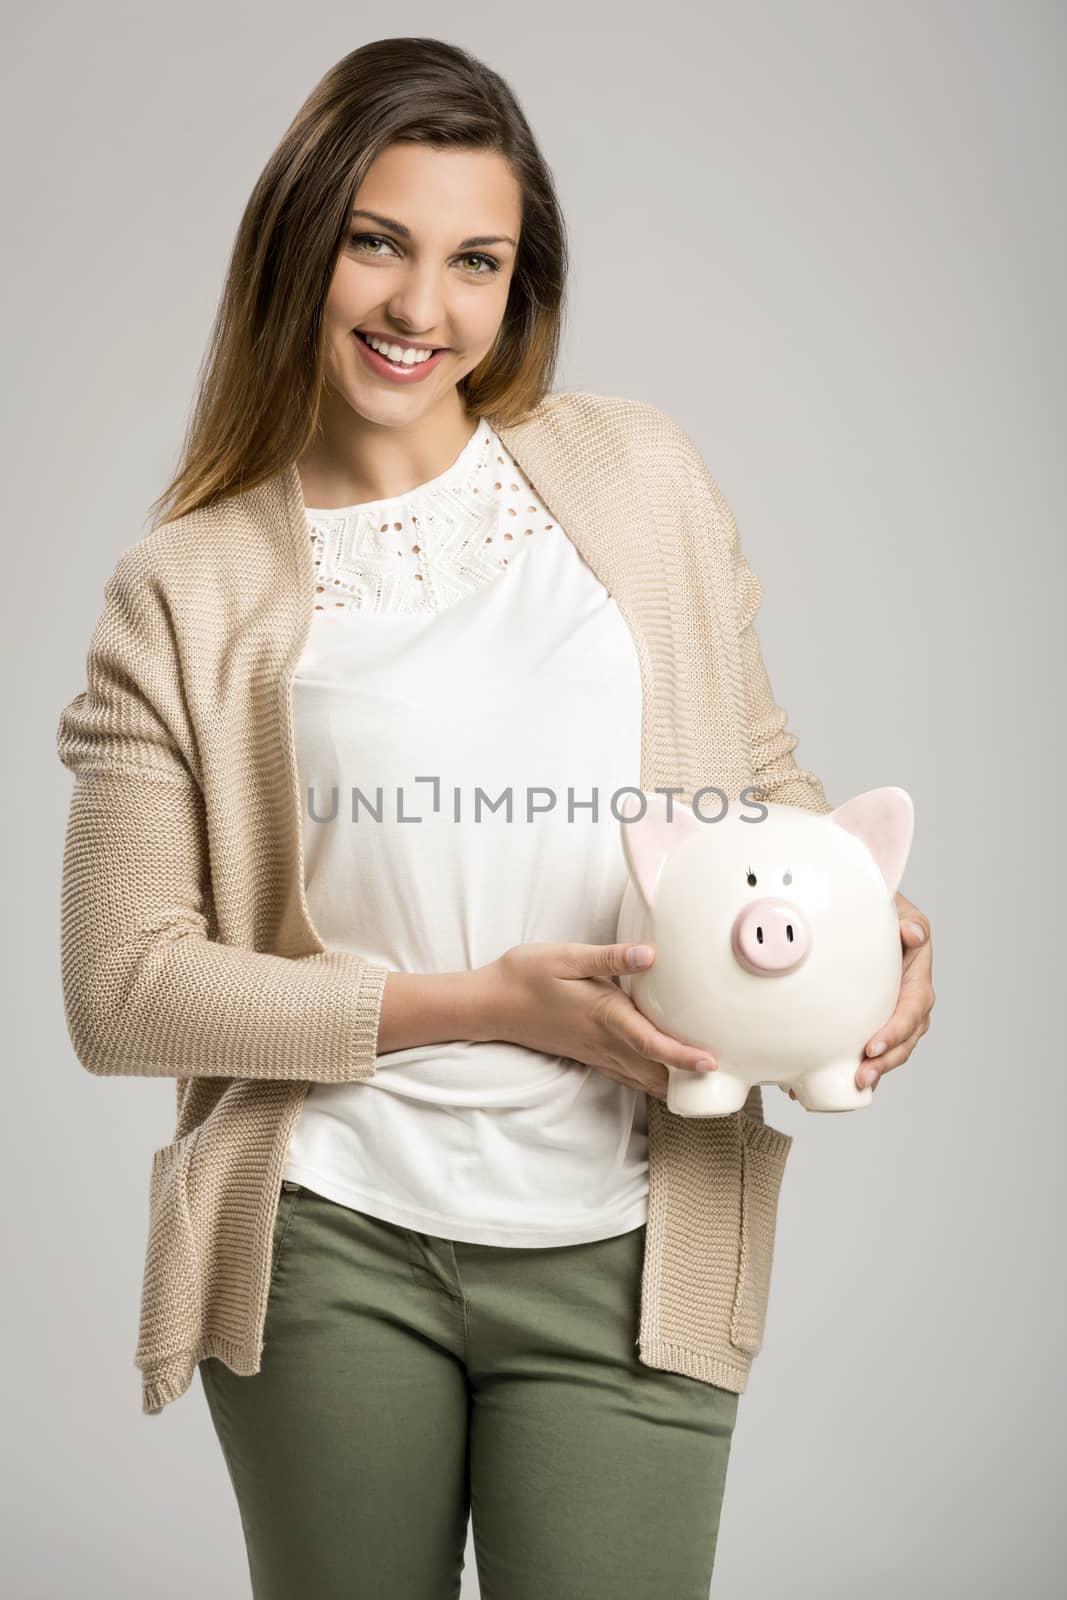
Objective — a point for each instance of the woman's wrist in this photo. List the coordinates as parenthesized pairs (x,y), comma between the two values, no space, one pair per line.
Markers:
(483,999)
(420,1008)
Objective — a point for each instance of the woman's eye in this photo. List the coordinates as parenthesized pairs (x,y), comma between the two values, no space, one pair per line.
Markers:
(491,264)
(371,238)
(363,239)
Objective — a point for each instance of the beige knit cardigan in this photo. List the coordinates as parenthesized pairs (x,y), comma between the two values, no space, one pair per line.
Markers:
(187,951)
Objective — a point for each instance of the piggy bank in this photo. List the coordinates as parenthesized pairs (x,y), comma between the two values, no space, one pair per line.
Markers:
(777,941)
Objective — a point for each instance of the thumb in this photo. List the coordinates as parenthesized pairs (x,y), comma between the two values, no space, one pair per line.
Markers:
(595,959)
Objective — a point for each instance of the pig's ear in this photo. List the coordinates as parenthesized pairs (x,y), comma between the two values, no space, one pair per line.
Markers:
(884,820)
(649,841)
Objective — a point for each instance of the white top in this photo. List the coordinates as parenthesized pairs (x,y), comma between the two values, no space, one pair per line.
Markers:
(459,643)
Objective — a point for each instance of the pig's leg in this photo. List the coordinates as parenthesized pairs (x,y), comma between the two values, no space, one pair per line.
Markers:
(831,1088)
(706,1094)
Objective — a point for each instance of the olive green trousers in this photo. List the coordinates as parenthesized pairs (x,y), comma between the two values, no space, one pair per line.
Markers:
(409,1382)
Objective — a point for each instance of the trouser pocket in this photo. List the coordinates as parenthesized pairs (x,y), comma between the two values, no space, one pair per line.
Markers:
(288,1201)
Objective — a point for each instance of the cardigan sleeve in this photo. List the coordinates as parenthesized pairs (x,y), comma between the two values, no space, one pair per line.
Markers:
(147,990)
(131,716)
(776,775)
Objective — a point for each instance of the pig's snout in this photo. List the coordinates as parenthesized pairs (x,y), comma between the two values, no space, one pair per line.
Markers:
(771,936)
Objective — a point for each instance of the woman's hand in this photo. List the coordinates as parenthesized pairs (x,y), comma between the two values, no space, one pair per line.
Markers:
(894,1042)
(562,1000)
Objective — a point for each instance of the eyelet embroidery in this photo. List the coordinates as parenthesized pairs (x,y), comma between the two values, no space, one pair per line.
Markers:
(452,527)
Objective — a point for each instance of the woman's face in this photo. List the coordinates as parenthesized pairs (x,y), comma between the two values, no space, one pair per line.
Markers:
(428,261)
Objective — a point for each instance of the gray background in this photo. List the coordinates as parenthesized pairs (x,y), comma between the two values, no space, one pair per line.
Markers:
(829,239)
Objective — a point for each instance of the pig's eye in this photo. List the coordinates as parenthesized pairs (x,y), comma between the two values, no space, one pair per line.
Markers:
(751,879)
(787,877)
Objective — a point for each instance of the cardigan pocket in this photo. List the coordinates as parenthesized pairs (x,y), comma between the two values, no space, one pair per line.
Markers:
(171,1291)
(764,1152)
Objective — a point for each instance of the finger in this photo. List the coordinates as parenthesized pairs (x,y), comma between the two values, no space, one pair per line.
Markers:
(892,1058)
(635,1071)
(670,1052)
(917,964)
(603,960)
(658,1085)
(635,1030)
(910,1017)
(913,1007)
(911,918)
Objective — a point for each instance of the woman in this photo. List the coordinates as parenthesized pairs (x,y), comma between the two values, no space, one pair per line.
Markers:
(426,1228)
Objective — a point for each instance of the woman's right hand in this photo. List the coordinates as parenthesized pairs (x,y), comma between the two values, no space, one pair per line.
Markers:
(561,1000)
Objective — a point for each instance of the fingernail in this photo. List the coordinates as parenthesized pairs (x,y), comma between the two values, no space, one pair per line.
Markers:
(870,1075)
(638,955)
(876,1048)
(920,933)
(704,1065)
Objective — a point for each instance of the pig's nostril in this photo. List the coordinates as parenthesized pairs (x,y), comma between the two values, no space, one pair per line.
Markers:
(759,935)
(789,932)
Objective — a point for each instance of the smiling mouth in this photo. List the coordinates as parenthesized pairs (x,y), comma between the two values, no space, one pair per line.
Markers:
(421,352)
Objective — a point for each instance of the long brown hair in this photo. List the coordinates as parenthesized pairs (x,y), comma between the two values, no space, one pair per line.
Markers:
(257,400)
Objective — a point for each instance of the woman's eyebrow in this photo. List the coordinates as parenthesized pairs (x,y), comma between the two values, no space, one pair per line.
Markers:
(405,233)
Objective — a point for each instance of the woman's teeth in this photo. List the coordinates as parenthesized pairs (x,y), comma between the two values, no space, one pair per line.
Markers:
(400,355)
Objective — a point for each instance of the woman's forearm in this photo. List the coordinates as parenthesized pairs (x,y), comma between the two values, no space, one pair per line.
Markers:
(433,1008)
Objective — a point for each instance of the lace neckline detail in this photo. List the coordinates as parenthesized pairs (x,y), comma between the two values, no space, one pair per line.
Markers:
(420,552)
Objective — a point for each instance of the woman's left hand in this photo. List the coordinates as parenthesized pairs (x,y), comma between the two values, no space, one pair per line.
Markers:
(894,1042)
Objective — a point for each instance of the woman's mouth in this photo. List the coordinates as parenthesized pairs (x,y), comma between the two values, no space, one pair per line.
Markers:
(411,366)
